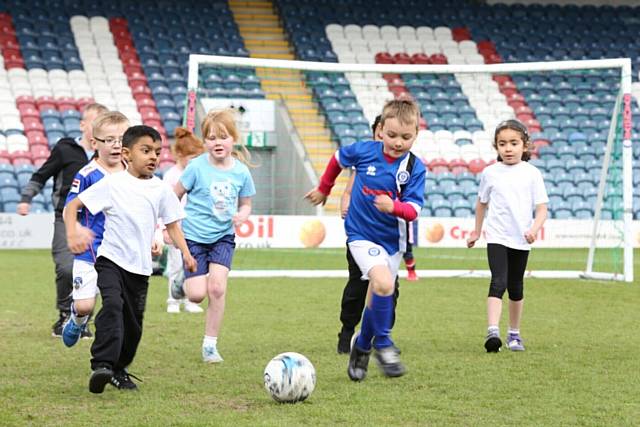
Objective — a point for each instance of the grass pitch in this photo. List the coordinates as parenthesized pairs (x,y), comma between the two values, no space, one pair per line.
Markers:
(580,368)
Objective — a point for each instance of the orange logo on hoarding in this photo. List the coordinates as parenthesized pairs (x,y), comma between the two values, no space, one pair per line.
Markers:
(435,232)
(312,233)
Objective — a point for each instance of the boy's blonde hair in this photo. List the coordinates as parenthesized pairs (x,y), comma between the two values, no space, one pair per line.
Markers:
(187,144)
(108,118)
(405,110)
(213,124)
(94,107)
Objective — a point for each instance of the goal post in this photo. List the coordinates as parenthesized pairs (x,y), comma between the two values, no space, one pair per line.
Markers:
(609,232)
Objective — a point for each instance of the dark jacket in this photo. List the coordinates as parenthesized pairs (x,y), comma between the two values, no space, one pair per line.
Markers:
(66,159)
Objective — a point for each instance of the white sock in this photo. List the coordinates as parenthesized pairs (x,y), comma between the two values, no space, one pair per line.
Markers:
(210,341)
(79,320)
(514,331)
(493,328)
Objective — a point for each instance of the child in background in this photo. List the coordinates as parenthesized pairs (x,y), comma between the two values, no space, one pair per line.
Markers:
(132,201)
(388,191)
(106,140)
(187,147)
(67,157)
(512,188)
(219,188)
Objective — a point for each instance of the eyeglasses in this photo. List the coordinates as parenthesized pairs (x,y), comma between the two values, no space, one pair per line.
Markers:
(109,140)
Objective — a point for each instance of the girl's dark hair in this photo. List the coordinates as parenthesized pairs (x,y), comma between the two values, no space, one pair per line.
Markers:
(375,124)
(517,126)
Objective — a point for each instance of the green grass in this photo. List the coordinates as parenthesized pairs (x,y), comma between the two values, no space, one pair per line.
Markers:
(580,367)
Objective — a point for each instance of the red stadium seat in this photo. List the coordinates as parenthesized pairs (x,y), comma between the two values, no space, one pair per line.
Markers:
(46,103)
(486,44)
(36,138)
(39,151)
(14,63)
(28,111)
(4,157)
(391,76)
(533,125)
(458,166)
(460,33)
(83,102)
(493,58)
(423,124)
(438,165)
(21,158)
(402,58)
(32,123)
(26,101)
(438,58)
(383,58)
(524,117)
(66,103)
(476,166)
(130,69)
(150,114)
(523,109)
(144,100)
(420,58)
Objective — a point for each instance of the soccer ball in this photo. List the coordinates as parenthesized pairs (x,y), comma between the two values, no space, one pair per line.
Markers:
(289,377)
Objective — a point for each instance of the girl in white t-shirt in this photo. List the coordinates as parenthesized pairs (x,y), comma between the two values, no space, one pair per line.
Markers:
(187,147)
(510,190)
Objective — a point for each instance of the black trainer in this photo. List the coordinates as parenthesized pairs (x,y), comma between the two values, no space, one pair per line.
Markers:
(122,380)
(358,363)
(389,362)
(56,329)
(493,342)
(344,341)
(100,377)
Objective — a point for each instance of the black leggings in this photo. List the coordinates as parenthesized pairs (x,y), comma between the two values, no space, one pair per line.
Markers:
(507,271)
(355,294)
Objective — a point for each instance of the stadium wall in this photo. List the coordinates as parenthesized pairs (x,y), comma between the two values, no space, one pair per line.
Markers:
(309,231)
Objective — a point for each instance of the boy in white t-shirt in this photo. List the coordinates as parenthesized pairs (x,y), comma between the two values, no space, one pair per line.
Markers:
(510,190)
(132,201)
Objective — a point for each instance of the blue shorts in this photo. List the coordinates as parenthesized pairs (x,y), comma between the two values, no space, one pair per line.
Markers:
(219,252)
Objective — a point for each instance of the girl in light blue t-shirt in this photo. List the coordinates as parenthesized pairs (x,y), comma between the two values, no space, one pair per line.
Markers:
(220,188)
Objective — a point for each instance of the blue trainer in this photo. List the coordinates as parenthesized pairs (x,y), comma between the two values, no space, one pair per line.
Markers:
(514,342)
(177,291)
(71,333)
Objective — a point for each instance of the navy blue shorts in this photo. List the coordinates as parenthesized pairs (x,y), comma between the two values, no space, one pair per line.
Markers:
(219,252)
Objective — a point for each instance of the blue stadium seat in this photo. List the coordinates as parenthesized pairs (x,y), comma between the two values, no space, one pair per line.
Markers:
(441,208)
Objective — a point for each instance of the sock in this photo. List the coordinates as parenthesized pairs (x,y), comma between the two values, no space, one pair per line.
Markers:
(366,330)
(382,308)
(410,263)
(514,331)
(78,320)
(210,341)
(493,328)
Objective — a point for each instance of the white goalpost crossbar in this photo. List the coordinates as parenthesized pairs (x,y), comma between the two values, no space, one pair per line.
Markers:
(623,102)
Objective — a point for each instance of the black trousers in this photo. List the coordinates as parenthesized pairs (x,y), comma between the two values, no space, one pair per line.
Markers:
(354,296)
(119,322)
(63,260)
(507,267)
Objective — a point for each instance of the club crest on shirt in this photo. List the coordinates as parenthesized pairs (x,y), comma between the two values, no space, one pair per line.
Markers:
(374,251)
(403,177)
(371,170)
(77,282)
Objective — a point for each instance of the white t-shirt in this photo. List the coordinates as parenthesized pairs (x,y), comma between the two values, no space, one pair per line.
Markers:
(132,207)
(171,177)
(512,191)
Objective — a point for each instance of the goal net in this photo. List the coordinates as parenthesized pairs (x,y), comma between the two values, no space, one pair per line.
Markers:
(294,114)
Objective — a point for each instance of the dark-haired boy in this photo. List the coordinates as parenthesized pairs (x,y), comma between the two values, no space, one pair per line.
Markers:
(132,202)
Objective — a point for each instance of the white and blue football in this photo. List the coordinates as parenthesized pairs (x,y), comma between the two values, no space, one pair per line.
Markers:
(289,377)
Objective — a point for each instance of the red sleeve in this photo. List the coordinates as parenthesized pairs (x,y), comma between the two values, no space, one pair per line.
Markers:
(328,179)
(404,210)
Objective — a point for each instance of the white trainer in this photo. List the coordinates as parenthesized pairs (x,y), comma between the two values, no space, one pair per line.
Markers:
(173,307)
(192,307)
(211,355)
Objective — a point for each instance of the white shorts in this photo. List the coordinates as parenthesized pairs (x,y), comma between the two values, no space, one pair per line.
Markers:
(85,280)
(368,254)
